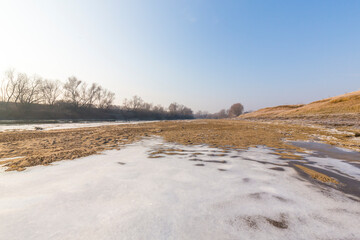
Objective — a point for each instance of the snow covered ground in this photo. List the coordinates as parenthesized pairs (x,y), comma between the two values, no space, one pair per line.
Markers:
(197,193)
(56,126)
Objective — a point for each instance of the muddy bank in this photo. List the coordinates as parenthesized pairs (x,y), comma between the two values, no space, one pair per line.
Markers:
(326,150)
(337,168)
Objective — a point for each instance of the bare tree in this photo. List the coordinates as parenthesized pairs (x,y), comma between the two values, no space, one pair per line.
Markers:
(104,98)
(222,114)
(21,88)
(185,111)
(236,110)
(158,109)
(109,99)
(92,93)
(126,104)
(134,103)
(78,93)
(203,114)
(10,85)
(147,106)
(50,91)
(83,94)
(32,90)
(178,110)
(72,91)
(5,84)
(2,90)
(173,108)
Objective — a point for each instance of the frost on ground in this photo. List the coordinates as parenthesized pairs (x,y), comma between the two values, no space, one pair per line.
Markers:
(157,190)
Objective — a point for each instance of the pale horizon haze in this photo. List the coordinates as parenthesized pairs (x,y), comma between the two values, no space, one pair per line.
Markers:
(206,55)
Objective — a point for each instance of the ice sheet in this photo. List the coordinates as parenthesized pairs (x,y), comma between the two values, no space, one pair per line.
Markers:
(127,195)
(55,126)
(337,166)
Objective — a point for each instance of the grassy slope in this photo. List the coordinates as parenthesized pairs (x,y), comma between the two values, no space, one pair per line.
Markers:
(344,104)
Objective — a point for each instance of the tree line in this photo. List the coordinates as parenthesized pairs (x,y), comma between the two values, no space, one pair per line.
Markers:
(32,97)
(20,88)
(234,111)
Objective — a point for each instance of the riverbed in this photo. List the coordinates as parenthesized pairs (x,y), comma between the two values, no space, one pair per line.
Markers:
(152,189)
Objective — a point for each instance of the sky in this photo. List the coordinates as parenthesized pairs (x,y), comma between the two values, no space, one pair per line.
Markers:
(206,55)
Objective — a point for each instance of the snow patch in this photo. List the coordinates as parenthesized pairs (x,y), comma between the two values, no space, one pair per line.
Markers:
(95,197)
(57,126)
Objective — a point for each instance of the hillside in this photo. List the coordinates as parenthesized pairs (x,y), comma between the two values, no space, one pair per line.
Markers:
(343,106)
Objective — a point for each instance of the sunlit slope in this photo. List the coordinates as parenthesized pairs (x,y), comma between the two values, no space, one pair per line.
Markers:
(344,104)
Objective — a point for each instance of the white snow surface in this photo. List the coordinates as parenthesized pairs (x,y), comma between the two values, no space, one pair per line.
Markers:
(97,197)
(56,126)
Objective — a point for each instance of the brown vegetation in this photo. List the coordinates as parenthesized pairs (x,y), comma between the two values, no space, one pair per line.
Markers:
(316,175)
(340,108)
(43,147)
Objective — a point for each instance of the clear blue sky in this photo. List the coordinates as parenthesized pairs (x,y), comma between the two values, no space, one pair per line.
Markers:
(204,54)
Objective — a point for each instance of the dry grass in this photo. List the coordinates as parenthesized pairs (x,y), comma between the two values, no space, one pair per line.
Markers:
(271,111)
(42,148)
(166,151)
(316,175)
(344,104)
(45,147)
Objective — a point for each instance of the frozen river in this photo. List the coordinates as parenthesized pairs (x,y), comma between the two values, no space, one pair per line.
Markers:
(156,190)
(62,125)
